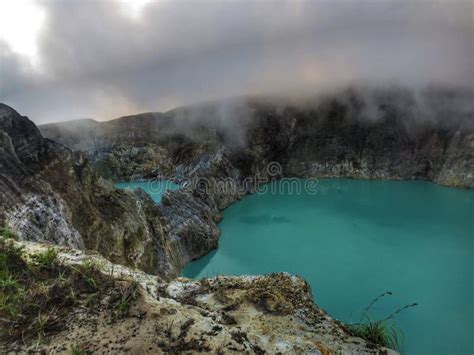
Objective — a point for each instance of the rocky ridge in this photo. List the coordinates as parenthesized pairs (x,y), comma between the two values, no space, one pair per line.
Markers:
(251,314)
(390,133)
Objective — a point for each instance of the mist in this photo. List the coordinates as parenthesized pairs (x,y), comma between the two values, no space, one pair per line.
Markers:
(96,59)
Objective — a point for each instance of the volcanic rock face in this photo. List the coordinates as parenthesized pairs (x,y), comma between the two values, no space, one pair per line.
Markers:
(48,193)
(24,157)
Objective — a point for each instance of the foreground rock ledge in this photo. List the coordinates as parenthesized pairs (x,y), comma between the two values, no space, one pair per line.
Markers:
(251,314)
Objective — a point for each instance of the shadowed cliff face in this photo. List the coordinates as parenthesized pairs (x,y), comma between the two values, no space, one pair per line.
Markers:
(29,200)
(340,137)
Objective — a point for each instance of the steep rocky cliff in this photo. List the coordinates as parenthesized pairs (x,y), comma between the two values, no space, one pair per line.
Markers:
(52,194)
(48,193)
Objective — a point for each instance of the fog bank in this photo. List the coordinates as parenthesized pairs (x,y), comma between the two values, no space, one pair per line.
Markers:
(102,60)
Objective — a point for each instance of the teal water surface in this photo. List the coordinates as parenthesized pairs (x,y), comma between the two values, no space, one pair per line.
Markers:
(155,188)
(353,240)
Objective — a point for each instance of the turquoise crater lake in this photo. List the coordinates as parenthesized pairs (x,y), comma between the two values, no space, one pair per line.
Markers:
(353,240)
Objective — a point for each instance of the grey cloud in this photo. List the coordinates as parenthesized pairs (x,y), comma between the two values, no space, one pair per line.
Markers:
(98,62)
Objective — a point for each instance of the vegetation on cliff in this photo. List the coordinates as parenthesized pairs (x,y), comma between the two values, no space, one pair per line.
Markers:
(383,332)
(38,292)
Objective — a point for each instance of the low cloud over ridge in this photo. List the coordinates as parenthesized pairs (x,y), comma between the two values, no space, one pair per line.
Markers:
(97,59)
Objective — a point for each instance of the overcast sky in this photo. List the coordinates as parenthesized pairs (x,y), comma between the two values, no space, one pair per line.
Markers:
(67,59)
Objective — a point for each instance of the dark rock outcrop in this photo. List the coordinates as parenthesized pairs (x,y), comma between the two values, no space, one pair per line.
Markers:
(338,140)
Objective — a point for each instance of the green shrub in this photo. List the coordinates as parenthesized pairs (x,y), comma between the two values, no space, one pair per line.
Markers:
(377,332)
(7,233)
(383,332)
(45,259)
(77,350)
(127,297)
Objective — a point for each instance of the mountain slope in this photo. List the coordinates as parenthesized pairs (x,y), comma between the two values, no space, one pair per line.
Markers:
(390,133)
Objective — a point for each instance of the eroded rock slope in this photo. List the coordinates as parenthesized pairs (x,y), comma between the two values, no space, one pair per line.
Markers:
(50,194)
